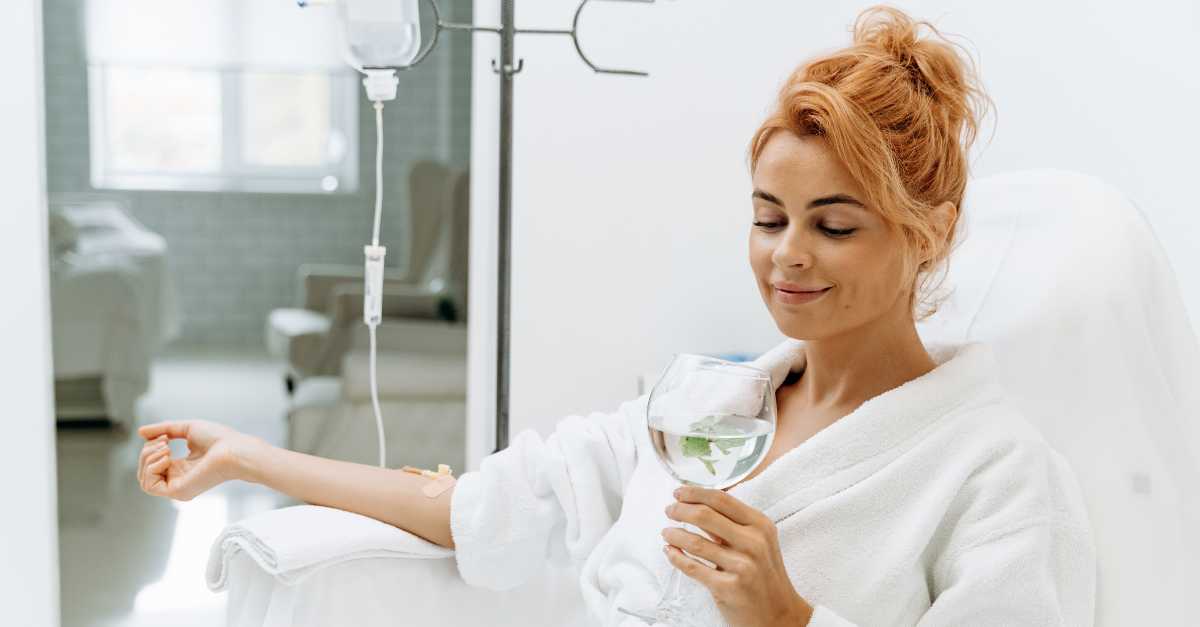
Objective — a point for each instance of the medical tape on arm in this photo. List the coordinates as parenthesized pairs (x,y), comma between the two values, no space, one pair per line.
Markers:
(442,479)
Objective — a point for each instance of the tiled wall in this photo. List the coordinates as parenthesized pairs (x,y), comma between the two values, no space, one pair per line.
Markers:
(234,255)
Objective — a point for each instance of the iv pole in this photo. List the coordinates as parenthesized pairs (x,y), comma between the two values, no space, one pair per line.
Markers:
(507,32)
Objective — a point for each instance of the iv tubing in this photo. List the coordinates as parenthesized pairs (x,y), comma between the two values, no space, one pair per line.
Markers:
(379,296)
(375,402)
(378,169)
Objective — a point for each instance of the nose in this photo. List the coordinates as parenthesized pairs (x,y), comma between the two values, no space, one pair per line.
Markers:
(794,249)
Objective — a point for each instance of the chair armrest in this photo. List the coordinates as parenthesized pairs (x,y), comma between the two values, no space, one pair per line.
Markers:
(412,335)
(330,567)
(399,301)
(318,280)
(291,543)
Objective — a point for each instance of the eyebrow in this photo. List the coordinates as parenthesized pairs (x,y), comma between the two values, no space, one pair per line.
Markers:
(836,199)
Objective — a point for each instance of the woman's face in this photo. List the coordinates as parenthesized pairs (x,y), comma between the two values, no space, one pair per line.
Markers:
(812,231)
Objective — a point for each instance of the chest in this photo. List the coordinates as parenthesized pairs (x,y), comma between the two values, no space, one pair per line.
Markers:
(797,421)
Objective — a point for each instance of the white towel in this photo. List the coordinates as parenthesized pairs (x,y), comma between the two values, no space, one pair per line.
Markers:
(293,542)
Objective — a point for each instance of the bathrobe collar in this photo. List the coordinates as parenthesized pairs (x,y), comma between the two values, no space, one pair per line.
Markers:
(859,442)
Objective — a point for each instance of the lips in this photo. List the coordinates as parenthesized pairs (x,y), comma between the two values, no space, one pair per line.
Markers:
(800,297)
(796,288)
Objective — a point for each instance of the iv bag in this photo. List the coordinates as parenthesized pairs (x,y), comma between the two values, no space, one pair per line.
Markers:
(381,33)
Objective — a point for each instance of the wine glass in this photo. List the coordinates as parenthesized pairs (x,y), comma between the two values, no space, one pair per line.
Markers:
(711,422)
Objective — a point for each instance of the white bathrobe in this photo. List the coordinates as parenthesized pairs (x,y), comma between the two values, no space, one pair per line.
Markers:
(934,503)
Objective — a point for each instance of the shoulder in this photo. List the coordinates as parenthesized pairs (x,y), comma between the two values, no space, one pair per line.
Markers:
(1013,478)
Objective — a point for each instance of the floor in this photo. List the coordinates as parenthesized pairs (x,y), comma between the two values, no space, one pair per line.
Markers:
(128,559)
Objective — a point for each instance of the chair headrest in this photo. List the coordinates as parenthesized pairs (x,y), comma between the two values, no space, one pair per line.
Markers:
(1063,277)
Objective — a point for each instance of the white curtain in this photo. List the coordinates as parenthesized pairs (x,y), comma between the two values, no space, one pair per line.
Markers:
(213,34)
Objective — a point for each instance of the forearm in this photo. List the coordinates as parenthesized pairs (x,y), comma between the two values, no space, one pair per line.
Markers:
(385,494)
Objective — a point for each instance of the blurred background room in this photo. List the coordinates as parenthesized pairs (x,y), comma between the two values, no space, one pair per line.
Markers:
(210,178)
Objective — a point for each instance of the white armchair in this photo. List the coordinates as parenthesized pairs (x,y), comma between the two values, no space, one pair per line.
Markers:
(1062,275)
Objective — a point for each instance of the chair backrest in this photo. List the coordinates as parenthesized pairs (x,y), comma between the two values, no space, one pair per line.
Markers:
(1063,277)
(430,185)
(460,241)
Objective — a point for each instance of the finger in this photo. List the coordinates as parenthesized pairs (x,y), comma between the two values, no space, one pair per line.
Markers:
(708,577)
(148,462)
(721,501)
(172,430)
(156,484)
(711,521)
(149,448)
(162,480)
(724,557)
(160,464)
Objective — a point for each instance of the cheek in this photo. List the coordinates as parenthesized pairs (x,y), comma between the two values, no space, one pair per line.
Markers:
(866,273)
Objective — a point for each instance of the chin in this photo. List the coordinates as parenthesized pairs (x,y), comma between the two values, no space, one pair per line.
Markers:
(798,327)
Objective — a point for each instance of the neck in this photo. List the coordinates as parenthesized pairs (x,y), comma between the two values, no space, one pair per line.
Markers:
(847,369)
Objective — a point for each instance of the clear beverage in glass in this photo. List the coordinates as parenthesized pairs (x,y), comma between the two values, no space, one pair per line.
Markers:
(711,422)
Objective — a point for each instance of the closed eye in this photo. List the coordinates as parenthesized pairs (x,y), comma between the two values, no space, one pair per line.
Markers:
(828,231)
(837,232)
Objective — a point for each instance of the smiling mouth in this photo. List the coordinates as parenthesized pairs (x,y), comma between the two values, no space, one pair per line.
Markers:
(798,298)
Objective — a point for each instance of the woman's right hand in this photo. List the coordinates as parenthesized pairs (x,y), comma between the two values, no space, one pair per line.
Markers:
(216,453)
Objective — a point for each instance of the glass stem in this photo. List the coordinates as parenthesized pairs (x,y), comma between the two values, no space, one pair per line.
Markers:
(672,594)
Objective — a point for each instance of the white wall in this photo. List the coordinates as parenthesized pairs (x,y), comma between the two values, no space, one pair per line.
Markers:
(29,529)
(632,195)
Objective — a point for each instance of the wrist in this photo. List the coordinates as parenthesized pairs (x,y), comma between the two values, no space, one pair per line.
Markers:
(251,459)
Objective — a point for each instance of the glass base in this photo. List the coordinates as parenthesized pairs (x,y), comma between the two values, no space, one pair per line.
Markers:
(647,616)
(668,614)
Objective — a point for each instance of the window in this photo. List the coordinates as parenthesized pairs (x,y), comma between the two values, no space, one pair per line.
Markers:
(161,128)
(224,95)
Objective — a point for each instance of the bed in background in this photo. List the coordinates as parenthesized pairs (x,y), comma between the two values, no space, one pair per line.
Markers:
(113,306)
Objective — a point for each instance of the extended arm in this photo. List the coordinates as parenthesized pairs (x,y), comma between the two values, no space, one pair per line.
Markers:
(218,453)
(390,495)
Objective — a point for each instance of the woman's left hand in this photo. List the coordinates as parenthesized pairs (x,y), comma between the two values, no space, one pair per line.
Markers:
(750,584)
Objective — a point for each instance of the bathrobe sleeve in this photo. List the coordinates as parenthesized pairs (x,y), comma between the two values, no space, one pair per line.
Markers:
(1018,548)
(541,500)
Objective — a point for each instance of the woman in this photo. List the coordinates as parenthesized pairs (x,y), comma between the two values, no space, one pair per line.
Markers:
(900,488)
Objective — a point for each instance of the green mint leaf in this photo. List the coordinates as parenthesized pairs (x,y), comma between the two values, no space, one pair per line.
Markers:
(694,446)
(709,465)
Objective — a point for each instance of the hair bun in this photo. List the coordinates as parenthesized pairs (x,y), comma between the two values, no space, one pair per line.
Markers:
(932,63)
(888,29)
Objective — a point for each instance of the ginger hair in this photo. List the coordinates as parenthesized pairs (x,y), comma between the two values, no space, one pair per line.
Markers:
(900,111)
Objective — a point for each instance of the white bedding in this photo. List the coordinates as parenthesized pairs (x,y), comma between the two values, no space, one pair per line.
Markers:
(113,304)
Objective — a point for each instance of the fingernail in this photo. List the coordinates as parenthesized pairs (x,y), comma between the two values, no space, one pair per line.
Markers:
(678,492)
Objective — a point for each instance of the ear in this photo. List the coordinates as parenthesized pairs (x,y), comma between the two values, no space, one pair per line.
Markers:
(945,217)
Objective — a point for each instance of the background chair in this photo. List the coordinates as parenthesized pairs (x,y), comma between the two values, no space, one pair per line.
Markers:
(1063,277)
(428,284)
(421,368)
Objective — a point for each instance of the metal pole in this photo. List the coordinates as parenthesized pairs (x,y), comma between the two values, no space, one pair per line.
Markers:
(507,32)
